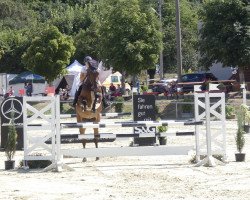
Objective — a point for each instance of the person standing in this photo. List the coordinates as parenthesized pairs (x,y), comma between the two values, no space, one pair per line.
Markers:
(11,92)
(29,89)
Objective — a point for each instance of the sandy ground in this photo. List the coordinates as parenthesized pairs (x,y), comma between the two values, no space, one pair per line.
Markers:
(154,177)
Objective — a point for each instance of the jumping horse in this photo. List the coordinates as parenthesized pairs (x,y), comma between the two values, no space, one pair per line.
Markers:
(85,103)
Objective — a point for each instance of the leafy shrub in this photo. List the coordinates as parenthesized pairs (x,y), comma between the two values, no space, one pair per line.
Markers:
(230,111)
(119,104)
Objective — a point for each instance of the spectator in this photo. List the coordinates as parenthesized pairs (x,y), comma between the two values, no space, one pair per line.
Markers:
(112,89)
(10,92)
(118,91)
(29,89)
(65,93)
(138,86)
(26,87)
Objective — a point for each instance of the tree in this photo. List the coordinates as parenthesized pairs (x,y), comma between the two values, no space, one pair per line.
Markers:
(225,33)
(12,45)
(87,39)
(189,34)
(49,54)
(130,36)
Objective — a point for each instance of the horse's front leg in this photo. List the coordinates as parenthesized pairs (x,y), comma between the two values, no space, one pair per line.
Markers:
(82,131)
(96,138)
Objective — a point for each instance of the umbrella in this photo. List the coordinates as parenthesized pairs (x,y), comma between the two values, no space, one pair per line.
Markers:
(27,77)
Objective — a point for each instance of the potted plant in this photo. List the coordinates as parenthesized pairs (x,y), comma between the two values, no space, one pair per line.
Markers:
(187,108)
(239,139)
(244,109)
(230,112)
(10,147)
(119,104)
(144,89)
(162,129)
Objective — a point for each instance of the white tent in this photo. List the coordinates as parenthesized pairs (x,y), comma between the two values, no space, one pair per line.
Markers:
(74,69)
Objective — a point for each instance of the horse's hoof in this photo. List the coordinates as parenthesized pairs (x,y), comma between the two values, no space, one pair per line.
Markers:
(84,160)
(97,158)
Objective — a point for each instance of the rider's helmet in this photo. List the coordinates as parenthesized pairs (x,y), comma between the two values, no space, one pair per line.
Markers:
(93,64)
(87,59)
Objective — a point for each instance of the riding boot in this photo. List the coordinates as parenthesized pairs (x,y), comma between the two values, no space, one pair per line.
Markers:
(77,93)
(94,104)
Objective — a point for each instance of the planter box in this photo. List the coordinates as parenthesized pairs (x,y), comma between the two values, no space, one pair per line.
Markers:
(240,157)
(9,164)
(247,128)
(162,140)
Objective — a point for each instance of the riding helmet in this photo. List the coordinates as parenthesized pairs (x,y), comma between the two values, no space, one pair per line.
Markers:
(87,59)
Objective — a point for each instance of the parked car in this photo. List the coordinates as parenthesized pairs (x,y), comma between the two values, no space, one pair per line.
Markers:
(160,88)
(167,81)
(188,81)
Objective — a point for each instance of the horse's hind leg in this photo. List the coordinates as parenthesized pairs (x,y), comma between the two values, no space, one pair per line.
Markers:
(96,138)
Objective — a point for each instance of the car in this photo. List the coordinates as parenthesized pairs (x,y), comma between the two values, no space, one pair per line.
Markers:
(188,81)
(160,88)
(167,81)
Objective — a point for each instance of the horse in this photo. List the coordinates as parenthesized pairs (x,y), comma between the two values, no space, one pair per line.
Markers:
(84,106)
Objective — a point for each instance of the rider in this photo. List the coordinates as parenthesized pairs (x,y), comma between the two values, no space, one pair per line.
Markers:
(89,62)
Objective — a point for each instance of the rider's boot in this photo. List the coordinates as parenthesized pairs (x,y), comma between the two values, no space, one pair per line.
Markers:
(77,95)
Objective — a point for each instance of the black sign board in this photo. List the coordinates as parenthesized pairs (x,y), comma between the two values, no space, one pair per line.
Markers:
(12,105)
(144,110)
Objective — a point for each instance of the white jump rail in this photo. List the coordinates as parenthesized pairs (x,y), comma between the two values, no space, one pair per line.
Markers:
(62,116)
(130,124)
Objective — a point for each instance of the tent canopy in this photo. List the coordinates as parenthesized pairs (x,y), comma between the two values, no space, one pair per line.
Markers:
(25,77)
(74,68)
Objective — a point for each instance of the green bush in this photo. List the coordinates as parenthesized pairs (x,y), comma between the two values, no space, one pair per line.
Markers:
(144,88)
(240,139)
(10,146)
(245,114)
(119,104)
(162,129)
(230,111)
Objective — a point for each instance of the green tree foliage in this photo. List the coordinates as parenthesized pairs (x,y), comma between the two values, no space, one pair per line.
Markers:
(12,45)
(189,35)
(87,40)
(16,20)
(225,33)
(49,54)
(130,38)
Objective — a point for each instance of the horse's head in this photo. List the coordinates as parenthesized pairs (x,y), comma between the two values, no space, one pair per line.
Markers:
(87,96)
(92,74)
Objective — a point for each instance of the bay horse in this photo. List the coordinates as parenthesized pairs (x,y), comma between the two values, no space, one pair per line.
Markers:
(85,103)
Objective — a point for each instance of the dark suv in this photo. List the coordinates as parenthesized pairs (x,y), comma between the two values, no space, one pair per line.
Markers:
(189,80)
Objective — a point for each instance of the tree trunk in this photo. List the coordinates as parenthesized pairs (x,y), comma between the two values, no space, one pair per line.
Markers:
(241,75)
